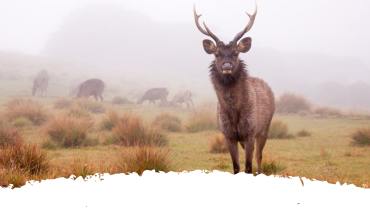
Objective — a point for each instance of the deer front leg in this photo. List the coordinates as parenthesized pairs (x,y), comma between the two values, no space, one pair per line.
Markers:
(232,145)
(249,148)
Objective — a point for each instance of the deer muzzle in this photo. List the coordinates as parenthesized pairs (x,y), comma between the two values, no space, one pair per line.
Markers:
(226,68)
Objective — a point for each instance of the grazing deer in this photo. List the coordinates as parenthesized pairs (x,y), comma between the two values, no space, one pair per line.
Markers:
(90,87)
(154,94)
(245,104)
(40,82)
(183,96)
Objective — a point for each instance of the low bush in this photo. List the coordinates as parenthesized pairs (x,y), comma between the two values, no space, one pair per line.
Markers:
(303,133)
(140,158)
(21,122)
(361,137)
(279,130)
(292,103)
(270,166)
(78,112)
(79,167)
(68,131)
(63,103)
(202,120)
(111,119)
(18,107)
(167,122)
(23,157)
(133,131)
(90,105)
(218,145)
(9,135)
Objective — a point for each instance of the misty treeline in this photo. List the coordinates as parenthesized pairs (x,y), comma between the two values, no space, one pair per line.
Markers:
(109,41)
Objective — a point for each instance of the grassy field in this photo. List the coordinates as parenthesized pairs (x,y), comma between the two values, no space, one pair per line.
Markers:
(326,154)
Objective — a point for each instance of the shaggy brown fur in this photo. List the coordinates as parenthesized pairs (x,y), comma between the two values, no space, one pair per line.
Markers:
(90,87)
(245,104)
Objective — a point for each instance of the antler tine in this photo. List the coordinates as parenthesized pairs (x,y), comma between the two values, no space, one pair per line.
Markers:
(208,32)
(248,27)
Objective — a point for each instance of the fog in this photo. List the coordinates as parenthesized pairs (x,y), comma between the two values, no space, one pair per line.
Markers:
(315,48)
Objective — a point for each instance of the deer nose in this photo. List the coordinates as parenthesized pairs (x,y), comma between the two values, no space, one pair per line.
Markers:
(227,66)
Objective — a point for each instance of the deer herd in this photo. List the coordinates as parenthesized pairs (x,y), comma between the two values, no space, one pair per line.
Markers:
(245,104)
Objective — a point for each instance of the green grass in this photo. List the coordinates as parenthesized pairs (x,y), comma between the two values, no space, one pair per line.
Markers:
(327,154)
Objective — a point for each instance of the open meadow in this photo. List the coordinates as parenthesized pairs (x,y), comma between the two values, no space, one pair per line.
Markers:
(60,136)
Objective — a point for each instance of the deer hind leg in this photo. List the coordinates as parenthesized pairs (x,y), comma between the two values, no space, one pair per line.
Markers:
(249,148)
(95,97)
(261,141)
(232,145)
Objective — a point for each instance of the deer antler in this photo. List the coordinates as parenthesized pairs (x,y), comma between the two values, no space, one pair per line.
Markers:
(208,32)
(248,27)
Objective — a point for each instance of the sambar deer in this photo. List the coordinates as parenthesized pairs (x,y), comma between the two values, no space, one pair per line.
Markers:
(245,104)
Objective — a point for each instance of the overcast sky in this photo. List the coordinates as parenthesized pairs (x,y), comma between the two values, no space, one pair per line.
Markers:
(337,28)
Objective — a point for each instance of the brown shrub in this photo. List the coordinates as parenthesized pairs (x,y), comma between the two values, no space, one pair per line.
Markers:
(111,119)
(29,109)
(140,158)
(325,111)
(9,135)
(303,133)
(90,105)
(83,168)
(279,130)
(68,131)
(63,103)
(292,103)
(361,137)
(167,122)
(133,131)
(202,120)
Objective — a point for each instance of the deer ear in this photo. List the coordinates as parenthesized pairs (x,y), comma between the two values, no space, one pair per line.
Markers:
(209,46)
(245,44)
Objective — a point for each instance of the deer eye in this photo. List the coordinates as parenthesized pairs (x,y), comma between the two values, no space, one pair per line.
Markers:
(216,55)
(236,54)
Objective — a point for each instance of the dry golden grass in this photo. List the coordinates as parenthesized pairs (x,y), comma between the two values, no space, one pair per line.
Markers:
(167,122)
(201,120)
(90,105)
(63,103)
(279,130)
(303,133)
(353,153)
(326,111)
(32,110)
(134,131)
(68,131)
(141,157)
(111,119)
(218,145)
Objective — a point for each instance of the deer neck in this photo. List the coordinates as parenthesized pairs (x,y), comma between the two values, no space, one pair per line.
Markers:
(232,96)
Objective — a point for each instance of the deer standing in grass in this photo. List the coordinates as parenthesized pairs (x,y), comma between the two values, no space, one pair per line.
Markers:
(245,104)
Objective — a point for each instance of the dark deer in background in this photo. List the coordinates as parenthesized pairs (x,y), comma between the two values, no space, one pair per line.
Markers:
(154,94)
(90,87)
(183,96)
(41,82)
(245,104)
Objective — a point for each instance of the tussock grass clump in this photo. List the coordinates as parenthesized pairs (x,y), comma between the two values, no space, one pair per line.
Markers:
(279,130)
(21,122)
(361,137)
(9,135)
(270,166)
(63,103)
(12,176)
(111,119)
(303,133)
(218,145)
(292,103)
(78,112)
(324,153)
(90,105)
(168,122)
(140,158)
(134,131)
(68,131)
(83,168)
(325,111)
(30,109)
(27,158)
(202,120)
(120,100)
